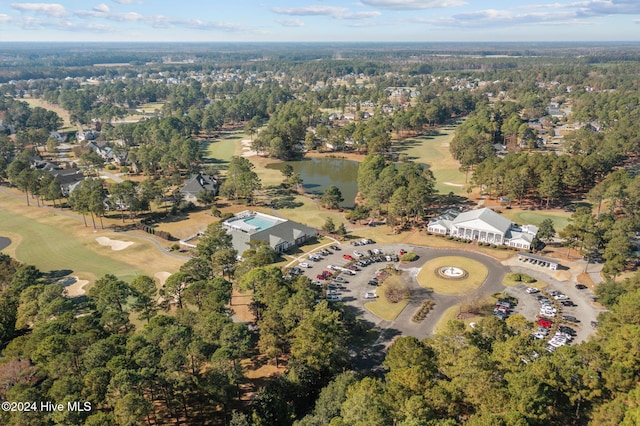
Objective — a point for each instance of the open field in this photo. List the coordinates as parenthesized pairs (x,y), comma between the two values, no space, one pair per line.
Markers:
(560,218)
(428,278)
(434,151)
(218,152)
(308,213)
(63,113)
(151,107)
(53,241)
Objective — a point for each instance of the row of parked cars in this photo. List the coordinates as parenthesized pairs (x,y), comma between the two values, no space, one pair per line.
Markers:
(548,313)
(503,308)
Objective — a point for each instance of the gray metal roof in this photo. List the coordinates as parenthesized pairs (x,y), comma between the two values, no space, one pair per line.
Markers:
(483,218)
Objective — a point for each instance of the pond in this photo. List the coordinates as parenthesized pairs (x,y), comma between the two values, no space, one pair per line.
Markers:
(4,243)
(319,173)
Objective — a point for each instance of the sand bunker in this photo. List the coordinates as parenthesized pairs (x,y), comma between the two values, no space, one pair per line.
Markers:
(162,276)
(459,185)
(246,148)
(74,286)
(114,244)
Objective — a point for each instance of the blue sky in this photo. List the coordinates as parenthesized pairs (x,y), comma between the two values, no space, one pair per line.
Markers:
(320,20)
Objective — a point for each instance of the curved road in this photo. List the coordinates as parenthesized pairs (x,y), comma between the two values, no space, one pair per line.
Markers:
(403,325)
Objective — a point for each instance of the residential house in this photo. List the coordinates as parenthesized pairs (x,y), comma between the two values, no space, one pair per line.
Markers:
(196,184)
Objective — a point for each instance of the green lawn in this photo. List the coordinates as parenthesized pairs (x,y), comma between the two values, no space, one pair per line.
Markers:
(382,307)
(220,151)
(308,213)
(477,274)
(450,314)
(560,219)
(49,248)
(434,151)
(151,107)
(51,241)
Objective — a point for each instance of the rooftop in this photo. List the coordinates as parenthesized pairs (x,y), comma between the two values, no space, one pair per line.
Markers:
(252,222)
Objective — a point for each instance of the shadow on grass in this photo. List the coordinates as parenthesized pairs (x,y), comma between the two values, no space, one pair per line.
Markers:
(286,202)
(57,274)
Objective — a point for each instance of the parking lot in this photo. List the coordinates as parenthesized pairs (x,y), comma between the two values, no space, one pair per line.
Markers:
(353,293)
(353,288)
(585,310)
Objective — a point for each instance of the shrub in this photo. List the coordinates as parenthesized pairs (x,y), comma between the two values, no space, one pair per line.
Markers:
(527,279)
(409,257)
(493,246)
(449,237)
(514,276)
(395,294)
(423,311)
(110,167)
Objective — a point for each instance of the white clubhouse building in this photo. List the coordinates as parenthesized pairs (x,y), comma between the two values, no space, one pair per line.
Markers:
(483,225)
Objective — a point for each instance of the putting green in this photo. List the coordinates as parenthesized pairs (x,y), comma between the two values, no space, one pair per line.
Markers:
(429,278)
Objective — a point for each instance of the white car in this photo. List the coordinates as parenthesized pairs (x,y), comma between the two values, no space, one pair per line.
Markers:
(531,290)
(333,292)
(560,297)
(304,265)
(370,295)
(334,298)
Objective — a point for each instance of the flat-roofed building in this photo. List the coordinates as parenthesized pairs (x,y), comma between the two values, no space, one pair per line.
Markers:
(281,234)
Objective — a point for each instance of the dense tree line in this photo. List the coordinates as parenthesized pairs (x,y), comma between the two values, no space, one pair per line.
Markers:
(496,374)
(399,192)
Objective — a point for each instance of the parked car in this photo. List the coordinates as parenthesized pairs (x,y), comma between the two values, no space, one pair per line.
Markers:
(335,248)
(370,295)
(567,303)
(531,290)
(560,296)
(544,322)
(340,280)
(347,257)
(333,292)
(304,265)
(581,286)
(334,298)
(570,318)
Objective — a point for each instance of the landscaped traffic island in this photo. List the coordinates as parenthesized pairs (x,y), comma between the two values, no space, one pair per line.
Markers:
(441,275)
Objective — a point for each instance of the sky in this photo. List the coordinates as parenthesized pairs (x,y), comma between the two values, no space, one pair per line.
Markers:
(320,20)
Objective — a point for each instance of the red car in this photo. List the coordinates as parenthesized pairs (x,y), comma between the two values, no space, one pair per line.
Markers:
(321,277)
(347,256)
(544,322)
(402,252)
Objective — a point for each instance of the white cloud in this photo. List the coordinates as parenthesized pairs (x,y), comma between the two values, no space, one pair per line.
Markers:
(310,11)
(49,9)
(330,11)
(103,8)
(609,7)
(290,22)
(123,1)
(413,4)
(505,18)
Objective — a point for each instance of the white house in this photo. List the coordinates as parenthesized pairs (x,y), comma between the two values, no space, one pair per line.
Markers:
(483,225)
